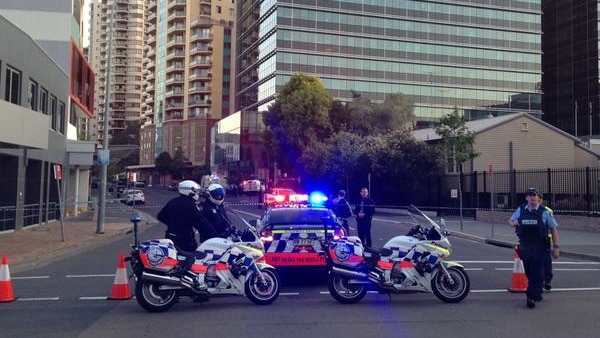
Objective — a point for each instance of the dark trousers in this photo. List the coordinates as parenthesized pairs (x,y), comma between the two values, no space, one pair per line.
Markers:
(363,227)
(533,255)
(185,247)
(548,266)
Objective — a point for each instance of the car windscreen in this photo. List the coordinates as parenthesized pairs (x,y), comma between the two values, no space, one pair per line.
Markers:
(304,218)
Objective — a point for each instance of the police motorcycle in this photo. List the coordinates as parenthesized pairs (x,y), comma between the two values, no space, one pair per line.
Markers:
(223,266)
(415,262)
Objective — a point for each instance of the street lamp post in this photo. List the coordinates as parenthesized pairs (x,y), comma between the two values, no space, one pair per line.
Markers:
(104,164)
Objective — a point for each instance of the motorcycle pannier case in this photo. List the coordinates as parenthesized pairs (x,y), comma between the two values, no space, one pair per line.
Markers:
(158,254)
(347,251)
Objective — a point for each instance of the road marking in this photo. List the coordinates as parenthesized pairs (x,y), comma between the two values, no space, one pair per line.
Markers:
(511,262)
(92,298)
(37,299)
(289,293)
(555,269)
(473,269)
(32,277)
(88,276)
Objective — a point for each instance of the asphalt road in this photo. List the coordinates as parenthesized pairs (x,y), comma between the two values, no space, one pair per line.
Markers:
(67,299)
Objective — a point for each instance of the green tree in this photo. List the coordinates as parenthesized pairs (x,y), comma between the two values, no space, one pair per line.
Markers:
(178,164)
(457,146)
(298,118)
(129,135)
(162,164)
(394,113)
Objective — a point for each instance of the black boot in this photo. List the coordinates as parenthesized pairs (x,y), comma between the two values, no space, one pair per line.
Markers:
(530,303)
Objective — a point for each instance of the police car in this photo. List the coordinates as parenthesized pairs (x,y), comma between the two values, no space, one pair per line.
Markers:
(291,235)
(281,197)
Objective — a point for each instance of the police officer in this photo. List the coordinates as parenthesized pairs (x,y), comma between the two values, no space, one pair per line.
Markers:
(342,210)
(532,223)
(181,215)
(548,258)
(213,210)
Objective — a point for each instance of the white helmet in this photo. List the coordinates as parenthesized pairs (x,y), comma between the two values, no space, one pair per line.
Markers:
(189,188)
(216,193)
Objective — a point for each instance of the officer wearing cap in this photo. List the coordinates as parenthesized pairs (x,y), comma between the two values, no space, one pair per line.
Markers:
(532,223)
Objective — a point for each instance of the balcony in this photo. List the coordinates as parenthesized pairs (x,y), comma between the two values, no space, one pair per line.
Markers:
(151,28)
(175,54)
(175,92)
(203,22)
(151,4)
(150,65)
(201,62)
(199,89)
(176,15)
(151,53)
(201,36)
(199,102)
(151,40)
(176,40)
(176,28)
(174,79)
(152,17)
(176,4)
(175,67)
(203,48)
(200,75)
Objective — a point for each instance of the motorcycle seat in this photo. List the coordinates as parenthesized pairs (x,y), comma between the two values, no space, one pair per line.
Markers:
(383,252)
(193,254)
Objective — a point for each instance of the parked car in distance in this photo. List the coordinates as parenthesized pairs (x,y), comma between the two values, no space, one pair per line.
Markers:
(139,184)
(173,187)
(134,196)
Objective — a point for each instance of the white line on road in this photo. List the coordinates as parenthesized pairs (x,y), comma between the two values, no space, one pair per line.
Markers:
(31,277)
(289,293)
(37,299)
(88,276)
(92,298)
(511,262)
(555,269)
(473,269)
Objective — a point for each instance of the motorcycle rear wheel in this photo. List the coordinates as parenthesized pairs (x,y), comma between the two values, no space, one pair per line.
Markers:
(343,292)
(263,293)
(451,292)
(151,298)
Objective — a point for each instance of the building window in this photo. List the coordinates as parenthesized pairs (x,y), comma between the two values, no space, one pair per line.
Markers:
(61,117)
(219,9)
(32,96)
(44,101)
(12,91)
(53,112)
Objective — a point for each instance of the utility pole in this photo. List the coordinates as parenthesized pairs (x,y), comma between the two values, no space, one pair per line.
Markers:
(104,158)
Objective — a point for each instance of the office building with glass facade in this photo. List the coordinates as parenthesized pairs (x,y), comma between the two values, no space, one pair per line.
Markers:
(481,56)
(570,65)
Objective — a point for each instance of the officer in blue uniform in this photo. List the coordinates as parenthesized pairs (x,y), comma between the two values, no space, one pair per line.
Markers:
(532,223)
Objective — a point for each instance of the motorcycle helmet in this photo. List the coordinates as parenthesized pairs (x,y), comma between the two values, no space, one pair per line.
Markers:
(216,193)
(189,188)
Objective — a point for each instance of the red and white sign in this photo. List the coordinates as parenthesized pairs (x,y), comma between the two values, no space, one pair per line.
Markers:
(57,172)
(132,177)
(490,170)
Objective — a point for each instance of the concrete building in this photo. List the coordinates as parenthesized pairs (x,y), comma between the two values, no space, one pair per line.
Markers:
(56,26)
(126,73)
(35,93)
(189,77)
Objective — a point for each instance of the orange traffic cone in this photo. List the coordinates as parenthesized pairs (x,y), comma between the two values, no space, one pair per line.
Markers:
(120,288)
(519,280)
(6,288)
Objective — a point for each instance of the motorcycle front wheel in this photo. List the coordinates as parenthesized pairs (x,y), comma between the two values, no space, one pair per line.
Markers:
(451,291)
(151,298)
(263,293)
(344,292)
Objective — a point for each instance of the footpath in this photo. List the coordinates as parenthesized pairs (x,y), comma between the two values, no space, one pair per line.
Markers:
(38,245)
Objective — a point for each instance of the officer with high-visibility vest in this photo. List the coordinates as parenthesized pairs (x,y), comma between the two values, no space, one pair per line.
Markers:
(548,259)
(532,222)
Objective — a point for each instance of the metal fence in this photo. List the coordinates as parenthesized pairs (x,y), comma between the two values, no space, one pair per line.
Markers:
(31,215)
(566,190)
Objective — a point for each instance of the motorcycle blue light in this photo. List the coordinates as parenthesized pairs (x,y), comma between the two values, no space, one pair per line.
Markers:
(317,198)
